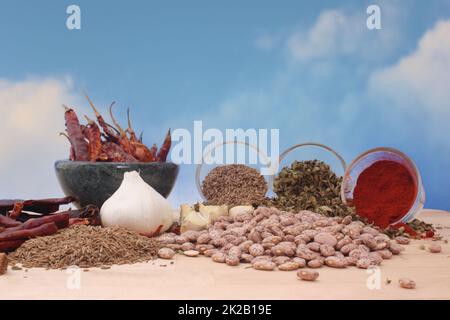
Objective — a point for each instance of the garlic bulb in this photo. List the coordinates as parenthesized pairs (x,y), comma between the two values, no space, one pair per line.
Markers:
(137,206)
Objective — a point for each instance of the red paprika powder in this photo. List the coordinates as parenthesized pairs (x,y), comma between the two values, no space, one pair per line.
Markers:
(384,192)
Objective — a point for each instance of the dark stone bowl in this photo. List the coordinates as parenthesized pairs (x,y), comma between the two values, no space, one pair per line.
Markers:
(95,182)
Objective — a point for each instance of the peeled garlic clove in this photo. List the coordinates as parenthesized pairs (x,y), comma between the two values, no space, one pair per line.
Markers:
(241,210)
(214,212)
(194,221)
(185,210)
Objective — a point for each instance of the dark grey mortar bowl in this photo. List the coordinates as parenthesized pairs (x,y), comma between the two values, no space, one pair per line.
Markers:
(95,182)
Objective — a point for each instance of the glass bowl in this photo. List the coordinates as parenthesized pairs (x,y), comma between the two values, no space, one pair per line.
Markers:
(307,154)
(369,157)
(199,175)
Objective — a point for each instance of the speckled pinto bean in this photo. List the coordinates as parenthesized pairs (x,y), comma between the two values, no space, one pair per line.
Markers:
(313,246)
(246,258)
(191,253)
(244,246)
(219,257)
(301,262)
(402,240)
(326,250)
(232,260)
(346,249)
(167,238)
(325,238)
(406,283)
(166,253)
(203,247)
(256,250)
(335,262)
(280,260)
(396,248)
(235,251)
(264,265)
(363,263)
(187,246)
(316,263)
(385,254)
(434,248)
(210,252)
(308,275)
(181,239)
(288,266)
(203,238)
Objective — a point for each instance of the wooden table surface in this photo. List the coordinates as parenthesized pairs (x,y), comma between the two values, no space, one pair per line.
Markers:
(200,278)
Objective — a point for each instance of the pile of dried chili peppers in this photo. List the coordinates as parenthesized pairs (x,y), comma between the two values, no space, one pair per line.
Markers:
(109,143)
(21,220)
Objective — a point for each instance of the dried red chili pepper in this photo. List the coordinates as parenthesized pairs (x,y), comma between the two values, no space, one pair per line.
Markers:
(164,150)
(90,213)
(40,231)
(130,130)
(114,153)
(93,135)
(429,234)
(44,206)
(137,148)
(11,245)
(75,134)
(60,219)
(154,150)
(107,128)
(405,227)
(124,142)
(16,211)
(7,222)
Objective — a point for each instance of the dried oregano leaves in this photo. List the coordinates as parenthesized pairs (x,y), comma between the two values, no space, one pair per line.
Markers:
(310,185)
(85,247)
(234,184)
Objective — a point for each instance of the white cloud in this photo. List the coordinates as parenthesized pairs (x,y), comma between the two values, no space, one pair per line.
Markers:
(422,78)
(333,33)
(31,118)
(339,33)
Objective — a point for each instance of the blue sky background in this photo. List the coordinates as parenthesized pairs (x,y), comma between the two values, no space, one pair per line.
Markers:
(310,68)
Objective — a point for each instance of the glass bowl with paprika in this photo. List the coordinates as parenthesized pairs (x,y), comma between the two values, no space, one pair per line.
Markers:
(385,186)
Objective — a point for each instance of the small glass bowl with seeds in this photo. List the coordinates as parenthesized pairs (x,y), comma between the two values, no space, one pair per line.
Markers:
(233,184)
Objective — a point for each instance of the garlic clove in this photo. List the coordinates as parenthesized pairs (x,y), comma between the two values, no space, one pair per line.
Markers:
(214,212)
(194,221)
(185,209)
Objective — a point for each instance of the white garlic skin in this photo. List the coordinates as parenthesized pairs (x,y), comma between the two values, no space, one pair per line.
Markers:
(137,206)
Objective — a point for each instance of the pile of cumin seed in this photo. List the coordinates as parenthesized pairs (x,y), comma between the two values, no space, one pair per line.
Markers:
(86,247)
(234,184)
